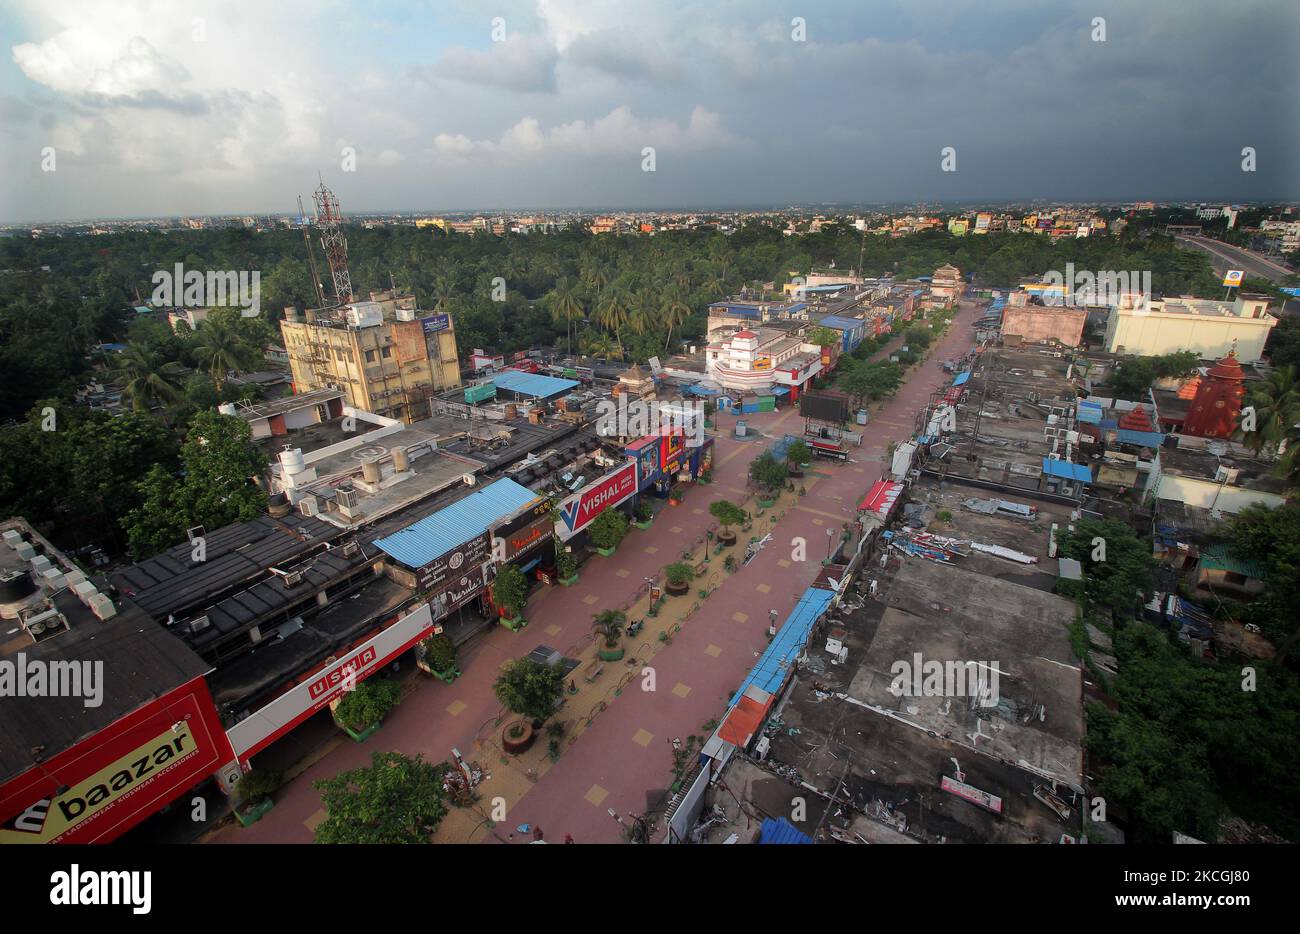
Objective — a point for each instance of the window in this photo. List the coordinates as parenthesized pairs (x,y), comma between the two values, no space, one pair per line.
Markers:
(370,356)
(386,352)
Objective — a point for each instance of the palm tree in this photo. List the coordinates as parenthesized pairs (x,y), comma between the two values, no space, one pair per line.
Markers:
(612,315)
(675,311)
(146,377)
(1277,409)
(609,623)
(565,307)
(442,294)
(223,350)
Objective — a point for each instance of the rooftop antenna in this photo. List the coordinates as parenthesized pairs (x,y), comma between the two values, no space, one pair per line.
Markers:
(329,218)
(311,256)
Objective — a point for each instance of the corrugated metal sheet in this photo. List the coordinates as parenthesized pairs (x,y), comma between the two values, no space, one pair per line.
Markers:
(770,672)
(1065,470)
(837,321)
(1147,439)
(1218,558)
(435,535)
(533,384)
(778,830)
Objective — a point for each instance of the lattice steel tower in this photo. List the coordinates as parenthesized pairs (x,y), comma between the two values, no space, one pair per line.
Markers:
(330,221)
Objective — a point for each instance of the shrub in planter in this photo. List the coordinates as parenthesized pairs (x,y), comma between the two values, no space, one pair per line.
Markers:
(768,474)
(728,514)
(566,568)
(679,576)
(797,456)
(510,592)
(252,794)
(608,530)
(609,624)
(528,688)
(365,707)
(437,655)
(644,514)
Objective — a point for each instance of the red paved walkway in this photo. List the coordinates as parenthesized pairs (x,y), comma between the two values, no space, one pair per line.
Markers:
(627,751)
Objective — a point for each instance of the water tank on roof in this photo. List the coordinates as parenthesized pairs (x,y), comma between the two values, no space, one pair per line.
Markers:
(401,462)
(291,461)
(370,471)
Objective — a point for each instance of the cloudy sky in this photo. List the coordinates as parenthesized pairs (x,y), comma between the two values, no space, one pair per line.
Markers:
(174,107)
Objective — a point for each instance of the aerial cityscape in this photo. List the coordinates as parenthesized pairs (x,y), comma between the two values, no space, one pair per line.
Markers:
(612,423)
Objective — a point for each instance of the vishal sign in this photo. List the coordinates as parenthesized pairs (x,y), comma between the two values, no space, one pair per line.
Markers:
(577,511)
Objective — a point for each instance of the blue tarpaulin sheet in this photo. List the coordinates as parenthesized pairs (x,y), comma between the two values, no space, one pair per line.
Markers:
(961,378)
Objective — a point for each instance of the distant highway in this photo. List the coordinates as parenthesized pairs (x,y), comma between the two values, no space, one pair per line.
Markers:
(1225,257)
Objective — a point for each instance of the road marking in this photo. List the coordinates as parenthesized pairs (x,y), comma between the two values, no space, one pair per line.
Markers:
(712,651)
(553,630)
(740,617)
(316,820)
(651,550)
(818,512)
(589,599)
(456,708)
(763,588)
(642,737)
(622,572)
(596,795)
(681,690)
(784,562)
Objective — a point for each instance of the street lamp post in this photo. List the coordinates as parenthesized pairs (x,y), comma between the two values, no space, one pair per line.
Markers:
(708,544)
(829,544)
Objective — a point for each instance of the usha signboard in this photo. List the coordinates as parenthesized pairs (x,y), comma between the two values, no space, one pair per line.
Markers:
(577,511)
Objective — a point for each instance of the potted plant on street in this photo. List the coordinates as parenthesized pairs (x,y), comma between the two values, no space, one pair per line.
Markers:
(678,575)
(607,531)
(769,475)
(728,514)
(510,594)
(252,794)
(436,655)
(566,568)
(609,624)
(361,711)
(530,690)
(644,514)
(797,456)
(675,495)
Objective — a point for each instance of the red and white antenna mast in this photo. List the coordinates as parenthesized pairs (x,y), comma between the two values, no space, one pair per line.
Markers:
(329,219)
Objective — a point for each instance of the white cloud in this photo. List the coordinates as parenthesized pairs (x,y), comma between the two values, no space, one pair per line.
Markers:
(620,132)
(519,64)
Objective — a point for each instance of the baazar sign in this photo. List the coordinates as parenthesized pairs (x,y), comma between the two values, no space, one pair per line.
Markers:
(578,511)
(451,565)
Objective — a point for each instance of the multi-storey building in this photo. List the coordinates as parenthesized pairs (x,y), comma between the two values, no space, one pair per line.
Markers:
(386,356)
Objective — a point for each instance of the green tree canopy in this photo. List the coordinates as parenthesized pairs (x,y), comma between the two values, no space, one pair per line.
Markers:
(397,799)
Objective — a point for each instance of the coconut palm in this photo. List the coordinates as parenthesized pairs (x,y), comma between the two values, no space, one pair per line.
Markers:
(609,624)
(146,377)
(1276,402)
(612,314)
(566,308)
(674,312)
(222,350)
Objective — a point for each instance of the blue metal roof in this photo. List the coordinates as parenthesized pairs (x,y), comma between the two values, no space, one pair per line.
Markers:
(1147,439)
(770,672)
(532,384)
(780,390)
(961,378)
(435,535)
(743,311)
(1065,470)
(778,830)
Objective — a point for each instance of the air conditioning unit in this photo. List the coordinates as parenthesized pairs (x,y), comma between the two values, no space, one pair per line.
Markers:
(345,497)
(469,479)
(309,506)
(293,579)
(199,623)
(351,549)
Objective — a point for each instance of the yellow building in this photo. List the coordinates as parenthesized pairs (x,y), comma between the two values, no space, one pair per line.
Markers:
(957,226)
(386,356)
